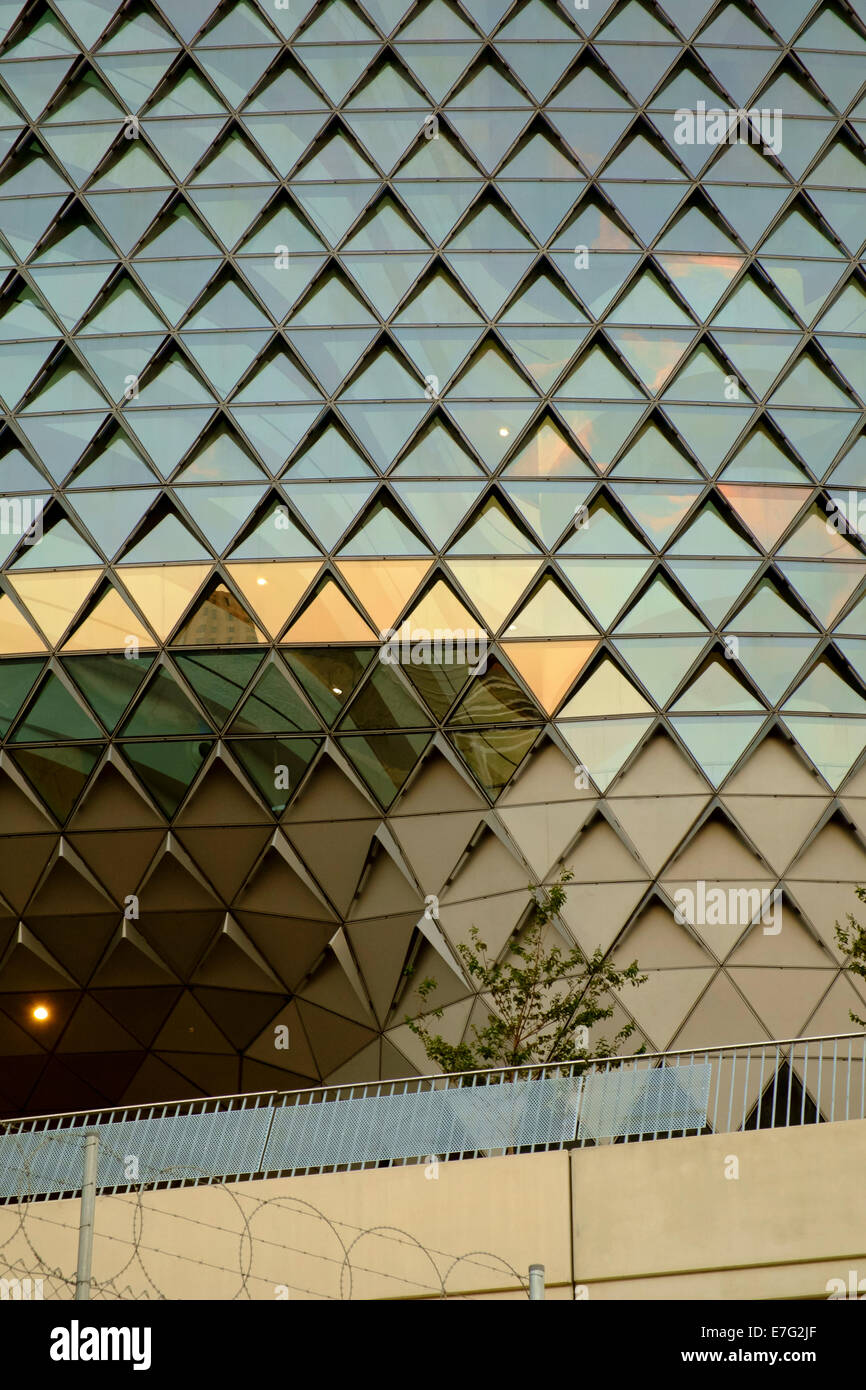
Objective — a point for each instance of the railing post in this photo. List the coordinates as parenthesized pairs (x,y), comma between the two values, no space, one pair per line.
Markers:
(536,1283)
(88,1215)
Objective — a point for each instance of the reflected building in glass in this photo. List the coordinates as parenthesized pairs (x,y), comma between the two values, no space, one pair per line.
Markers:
(324,323)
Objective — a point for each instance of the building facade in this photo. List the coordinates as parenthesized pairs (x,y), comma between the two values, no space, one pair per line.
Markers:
(432,456)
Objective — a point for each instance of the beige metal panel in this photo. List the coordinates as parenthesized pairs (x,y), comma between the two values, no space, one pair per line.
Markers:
(717,851)
(659,764)
(777,825)
(720,1016)
(656,825)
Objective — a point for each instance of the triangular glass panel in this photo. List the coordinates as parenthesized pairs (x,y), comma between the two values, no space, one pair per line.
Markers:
(654,454)
(108,681)
(175,284)
(549,505)
(229,212)
(327,510)
(111,516)
(164,709)
(601,430)
(329,675)
(60,546)
(825,587)
(219,679)
(547,453)
(53,716)
(330,455)
(383,377)
(710,534)
(603,588)
(436,454)
(549,613)
(276,379)
(438,507)
(385,761)
(603,746)
(717,743)
(489,376)
(709,432)
(660,662)
(492,532)
(438,205)
(438,300)
(382,532)
(495,697)
(852,467)
(658,610)
(773,665)
(166,768)
(166,438)
(714,585)
(276,766)
(658,508)
(59,775)
(832,744)
(601,531)
(274,535)
(652,353)
(163,538)
(490,278)
(273,707)
(716,690)
(597,376)
(383,429)
(596,278)
(220,512)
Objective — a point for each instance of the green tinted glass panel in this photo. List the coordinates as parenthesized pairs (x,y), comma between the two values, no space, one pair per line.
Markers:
(16,681)
(108,681)
(164,709)
(437,683)
(384,703)
(54,716)
(495,755)
(329,675)
(166,768)
(59,774)
(494,697)
(273,707)
(219,679)
(385,760)
(276,766)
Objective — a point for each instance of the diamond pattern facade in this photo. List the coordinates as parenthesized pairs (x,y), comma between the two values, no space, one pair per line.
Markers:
(315,325)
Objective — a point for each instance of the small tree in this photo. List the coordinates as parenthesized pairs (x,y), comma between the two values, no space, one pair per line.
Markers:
(543,1001)
(852,941)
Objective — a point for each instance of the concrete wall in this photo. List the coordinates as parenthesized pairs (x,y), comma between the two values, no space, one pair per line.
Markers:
(665,1219)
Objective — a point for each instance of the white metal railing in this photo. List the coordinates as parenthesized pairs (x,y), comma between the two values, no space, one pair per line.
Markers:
(425,1118)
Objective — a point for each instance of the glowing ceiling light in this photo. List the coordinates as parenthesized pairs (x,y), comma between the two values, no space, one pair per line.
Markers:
(40,1013)
(504,432)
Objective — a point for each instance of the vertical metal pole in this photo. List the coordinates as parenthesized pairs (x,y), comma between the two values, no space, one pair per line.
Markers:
(536,1283)
(88,1215)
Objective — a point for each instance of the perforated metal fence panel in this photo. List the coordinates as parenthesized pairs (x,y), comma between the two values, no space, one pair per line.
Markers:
(800,1080)
(657,1100)
(456,1119)
(165,1148)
